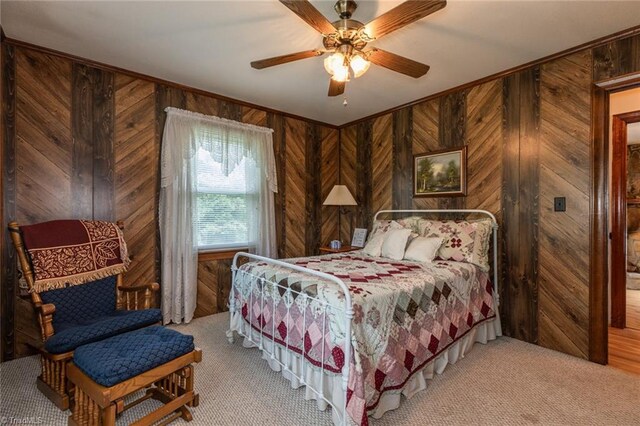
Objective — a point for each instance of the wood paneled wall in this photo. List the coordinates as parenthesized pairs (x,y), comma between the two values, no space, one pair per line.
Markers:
(84,142)
(528,139)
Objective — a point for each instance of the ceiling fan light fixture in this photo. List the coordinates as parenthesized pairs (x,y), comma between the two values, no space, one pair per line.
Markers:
(341,73)
(359,65)
(334,62)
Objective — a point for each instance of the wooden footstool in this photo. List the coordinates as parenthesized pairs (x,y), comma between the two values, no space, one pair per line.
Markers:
(106,372)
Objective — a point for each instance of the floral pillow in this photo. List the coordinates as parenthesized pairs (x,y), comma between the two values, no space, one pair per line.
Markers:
(412,223)
(464,241)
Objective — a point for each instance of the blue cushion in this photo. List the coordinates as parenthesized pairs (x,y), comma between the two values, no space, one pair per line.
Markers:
(82,303)
(72,335)
(119,358)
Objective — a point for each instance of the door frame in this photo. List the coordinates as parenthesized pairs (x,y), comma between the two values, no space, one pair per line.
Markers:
(619,216)
(599,214)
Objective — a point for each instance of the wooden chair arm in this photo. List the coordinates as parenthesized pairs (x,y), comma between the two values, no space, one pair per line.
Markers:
(47,309)
(46,318)
(128,297)
(132,289)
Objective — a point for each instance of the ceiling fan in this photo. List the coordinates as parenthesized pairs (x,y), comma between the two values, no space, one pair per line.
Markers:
(347,38)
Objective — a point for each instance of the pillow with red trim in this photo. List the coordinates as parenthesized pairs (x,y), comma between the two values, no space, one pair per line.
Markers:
(464,241)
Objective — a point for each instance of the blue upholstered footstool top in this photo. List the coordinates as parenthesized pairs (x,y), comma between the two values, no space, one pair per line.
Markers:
(122,357)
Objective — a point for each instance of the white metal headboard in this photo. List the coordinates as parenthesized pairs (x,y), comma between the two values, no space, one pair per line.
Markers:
(494,224)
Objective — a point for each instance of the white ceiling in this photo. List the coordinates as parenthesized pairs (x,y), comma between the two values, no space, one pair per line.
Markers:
(209,44)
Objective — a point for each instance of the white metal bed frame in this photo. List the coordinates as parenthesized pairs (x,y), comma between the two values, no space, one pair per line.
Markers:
(346,311)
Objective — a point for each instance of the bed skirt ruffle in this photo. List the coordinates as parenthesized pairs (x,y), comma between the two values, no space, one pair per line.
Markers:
(389,400)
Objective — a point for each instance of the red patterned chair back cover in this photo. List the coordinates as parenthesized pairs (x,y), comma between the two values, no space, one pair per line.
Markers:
(72,252)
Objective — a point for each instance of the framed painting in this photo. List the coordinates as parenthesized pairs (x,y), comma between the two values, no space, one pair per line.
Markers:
(440,173)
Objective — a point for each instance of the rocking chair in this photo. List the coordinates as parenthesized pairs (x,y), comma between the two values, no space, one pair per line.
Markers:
(76,315)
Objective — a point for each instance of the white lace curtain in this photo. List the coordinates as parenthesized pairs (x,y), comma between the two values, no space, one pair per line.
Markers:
(186,135)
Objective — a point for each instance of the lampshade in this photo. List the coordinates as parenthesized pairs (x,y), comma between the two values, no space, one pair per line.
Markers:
(340,196)
(341,73)
(359,65)
(334,61)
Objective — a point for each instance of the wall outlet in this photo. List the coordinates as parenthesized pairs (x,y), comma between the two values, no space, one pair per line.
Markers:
(559,204)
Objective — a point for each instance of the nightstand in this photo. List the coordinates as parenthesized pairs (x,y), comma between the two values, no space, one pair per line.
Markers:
(327,249)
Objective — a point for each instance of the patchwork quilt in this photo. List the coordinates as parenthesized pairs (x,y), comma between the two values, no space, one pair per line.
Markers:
(405,314)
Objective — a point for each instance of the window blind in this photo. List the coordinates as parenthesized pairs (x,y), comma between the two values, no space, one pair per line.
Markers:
(224,202)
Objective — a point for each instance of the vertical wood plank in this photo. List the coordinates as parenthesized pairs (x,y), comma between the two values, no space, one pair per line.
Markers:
(451,124)
(484,143)
(425,138)
(520,201)
(103,122)
(8,177)
(528,203)
(510,202)
(136,174)
(364,179)
(276,122)
(295,136)
(329,173)
(451,133)
(224,284)
(348,153)
(82,132)
(229,110)
(381,163)
(599,227)
(402,159)
(313,212)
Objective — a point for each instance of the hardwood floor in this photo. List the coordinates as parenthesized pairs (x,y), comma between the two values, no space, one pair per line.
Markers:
(624,344)
(633,309)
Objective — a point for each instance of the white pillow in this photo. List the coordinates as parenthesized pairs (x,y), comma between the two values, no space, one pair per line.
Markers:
(381,227)
(423,249)
(395,241)
(374,245)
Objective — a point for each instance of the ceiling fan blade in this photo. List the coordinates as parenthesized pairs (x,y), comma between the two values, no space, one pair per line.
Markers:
(336,88)
(310,15)
(398,63)
(278,60)
(402,15)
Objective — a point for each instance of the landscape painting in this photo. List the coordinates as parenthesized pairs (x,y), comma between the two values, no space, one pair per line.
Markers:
(440,173)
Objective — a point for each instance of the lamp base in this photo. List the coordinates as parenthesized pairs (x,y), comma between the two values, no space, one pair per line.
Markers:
(348,212)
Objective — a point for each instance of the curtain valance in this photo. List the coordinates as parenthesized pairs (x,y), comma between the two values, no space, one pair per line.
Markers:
(227,141)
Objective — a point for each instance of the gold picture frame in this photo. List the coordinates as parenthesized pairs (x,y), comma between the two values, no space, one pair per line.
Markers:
(441,173)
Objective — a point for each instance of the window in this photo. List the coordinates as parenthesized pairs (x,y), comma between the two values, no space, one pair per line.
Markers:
(225,204)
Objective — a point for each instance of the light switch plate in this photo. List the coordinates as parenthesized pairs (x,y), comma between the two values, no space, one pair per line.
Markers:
(559,204)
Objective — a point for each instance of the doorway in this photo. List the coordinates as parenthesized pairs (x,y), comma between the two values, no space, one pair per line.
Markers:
(624,330)
(625,221)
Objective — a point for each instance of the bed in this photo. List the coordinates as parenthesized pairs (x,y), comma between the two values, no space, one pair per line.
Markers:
(358,331)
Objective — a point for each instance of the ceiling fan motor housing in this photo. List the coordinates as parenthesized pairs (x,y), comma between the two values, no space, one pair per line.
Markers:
(348,31)
(345,8)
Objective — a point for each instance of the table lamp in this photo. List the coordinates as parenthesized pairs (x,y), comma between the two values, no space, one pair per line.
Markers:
(340,196)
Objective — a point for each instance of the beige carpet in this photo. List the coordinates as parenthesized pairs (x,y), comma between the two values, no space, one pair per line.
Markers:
(506,382)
